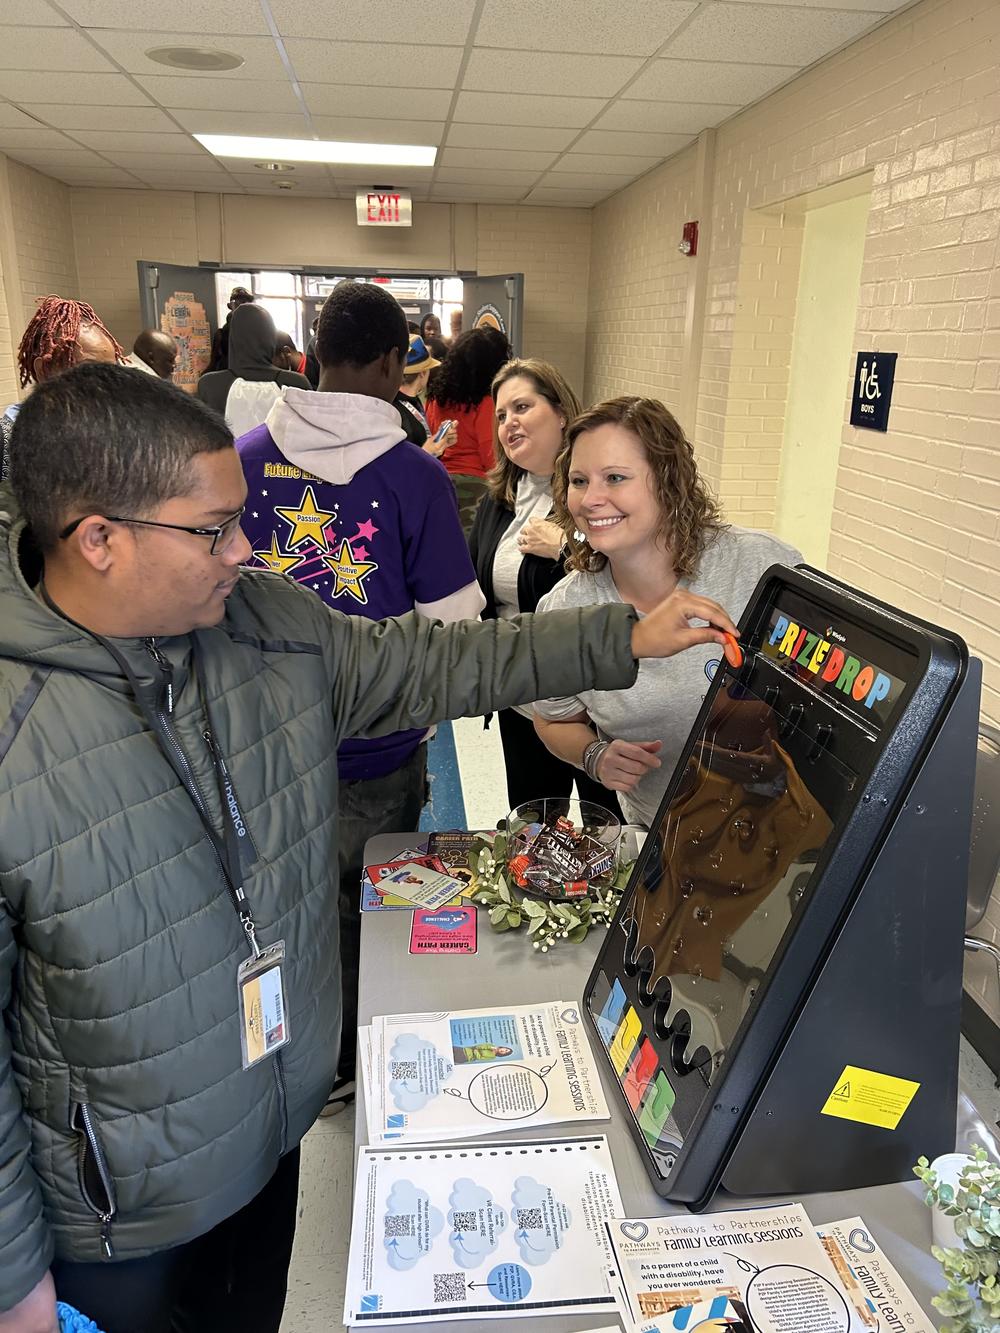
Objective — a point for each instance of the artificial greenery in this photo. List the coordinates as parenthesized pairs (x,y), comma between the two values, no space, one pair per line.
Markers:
(548,923)
(971,1300)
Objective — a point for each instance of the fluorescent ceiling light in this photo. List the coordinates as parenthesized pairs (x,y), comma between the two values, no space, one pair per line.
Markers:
(319,150)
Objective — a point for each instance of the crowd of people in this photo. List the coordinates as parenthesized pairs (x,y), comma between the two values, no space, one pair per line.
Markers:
(193,752)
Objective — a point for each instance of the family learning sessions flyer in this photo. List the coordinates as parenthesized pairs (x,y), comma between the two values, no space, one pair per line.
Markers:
(437,1076)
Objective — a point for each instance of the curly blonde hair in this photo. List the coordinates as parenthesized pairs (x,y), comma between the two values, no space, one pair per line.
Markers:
(551,385)
(690,515)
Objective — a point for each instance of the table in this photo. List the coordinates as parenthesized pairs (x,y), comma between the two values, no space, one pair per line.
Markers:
(506,971)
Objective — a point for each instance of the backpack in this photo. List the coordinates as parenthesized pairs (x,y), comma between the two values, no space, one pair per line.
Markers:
(248,403)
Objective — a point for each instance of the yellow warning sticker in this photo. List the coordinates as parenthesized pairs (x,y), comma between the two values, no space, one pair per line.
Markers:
(870,1098)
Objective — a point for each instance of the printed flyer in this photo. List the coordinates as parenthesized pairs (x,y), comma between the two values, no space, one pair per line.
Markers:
(481,1231)
(758,1270)
(480,1071)
(372,900)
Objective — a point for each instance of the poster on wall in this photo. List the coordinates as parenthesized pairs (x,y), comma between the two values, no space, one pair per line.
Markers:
(186,320)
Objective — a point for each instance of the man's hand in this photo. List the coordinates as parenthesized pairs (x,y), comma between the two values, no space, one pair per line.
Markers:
(36,1313)
(624,763)
(540,537)
(667,629)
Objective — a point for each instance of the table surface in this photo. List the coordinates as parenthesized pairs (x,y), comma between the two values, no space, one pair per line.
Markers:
(506,971)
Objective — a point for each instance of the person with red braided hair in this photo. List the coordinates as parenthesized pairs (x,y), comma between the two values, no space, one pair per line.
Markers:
(62,333)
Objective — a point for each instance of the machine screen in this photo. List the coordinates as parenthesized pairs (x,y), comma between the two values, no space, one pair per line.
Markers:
(732,856)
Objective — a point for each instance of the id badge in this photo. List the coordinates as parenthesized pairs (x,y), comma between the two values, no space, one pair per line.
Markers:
(263,1016)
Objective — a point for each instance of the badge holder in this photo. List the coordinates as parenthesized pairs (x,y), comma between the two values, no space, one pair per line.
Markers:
(263,1015)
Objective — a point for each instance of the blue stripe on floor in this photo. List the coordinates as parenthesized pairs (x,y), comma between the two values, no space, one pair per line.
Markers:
(446,807)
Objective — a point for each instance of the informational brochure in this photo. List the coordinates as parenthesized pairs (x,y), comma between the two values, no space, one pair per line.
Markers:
(422,885)
(481,1231)
(474,1072)
(880,1297)
(757,1270)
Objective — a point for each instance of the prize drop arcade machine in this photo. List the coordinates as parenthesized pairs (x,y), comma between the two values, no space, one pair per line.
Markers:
(779,994)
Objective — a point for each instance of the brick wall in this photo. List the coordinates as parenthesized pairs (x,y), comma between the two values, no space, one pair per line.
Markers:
(114,229)
(638,287)
(551,247)
(43,231)
(916,104)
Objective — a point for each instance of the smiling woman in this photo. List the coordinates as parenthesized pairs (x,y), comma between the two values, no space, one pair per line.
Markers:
(639,522)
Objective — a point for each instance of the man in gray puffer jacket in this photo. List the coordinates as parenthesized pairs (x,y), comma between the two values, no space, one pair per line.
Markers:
(168,770)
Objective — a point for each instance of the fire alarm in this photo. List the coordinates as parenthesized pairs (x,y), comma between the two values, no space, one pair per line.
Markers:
(689,242)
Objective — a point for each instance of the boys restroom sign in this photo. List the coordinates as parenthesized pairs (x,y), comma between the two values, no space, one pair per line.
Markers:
(872,393)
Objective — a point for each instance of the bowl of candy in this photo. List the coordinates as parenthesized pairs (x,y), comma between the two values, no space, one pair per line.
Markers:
(561,848)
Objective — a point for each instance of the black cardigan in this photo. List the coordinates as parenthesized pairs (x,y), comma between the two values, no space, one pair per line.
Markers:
(536,577)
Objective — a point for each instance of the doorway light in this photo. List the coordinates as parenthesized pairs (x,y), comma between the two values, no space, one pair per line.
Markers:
(319,150)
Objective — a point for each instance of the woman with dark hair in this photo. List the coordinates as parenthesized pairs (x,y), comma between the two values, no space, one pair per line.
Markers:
(518,552)
(460,392)
(639,522)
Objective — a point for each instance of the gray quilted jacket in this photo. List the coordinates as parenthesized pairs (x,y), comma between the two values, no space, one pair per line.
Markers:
(127,1123)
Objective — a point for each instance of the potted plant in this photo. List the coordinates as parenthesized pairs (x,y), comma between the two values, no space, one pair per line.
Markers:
(971,1300)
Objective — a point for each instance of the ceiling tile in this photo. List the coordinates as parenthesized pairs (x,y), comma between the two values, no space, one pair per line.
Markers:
(781,35)
(50,49)
(382,65)
(66,116)
(605,164)
(485,176)
(358,130)
(272,124)
(707,81)
(508,158)
(36,13)
(635,145)
(418,103)
(34,138)
(217,94)
(91,89)
(586,180)
(47,161)
(260,180)
(124,141)
(476,193)
(10,116)
(260,55)
(392,176)
(160,161)
(532,109)
(882,6)
(531,138)
(172,180)
(97,176)
(637,28)
(562,198)
(445,22)
(664,118)
(557,74)
(191,16)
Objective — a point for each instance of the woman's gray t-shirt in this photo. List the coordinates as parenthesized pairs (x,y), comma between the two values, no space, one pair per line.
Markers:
(664,701)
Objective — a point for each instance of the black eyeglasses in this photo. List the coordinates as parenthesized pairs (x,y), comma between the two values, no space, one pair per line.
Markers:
(222,535)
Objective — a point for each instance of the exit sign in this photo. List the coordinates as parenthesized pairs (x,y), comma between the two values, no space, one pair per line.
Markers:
(384,208)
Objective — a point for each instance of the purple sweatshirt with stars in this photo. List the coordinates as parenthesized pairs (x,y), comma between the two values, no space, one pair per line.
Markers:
(339,500)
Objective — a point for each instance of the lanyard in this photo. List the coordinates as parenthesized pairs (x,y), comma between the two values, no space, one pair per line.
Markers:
(226,848)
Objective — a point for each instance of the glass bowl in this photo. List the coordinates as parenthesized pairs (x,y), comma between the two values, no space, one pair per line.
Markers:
(561,848)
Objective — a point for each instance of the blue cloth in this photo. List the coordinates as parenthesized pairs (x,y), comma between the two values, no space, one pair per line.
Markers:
(72,1321)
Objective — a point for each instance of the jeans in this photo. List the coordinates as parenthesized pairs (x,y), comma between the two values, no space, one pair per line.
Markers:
(389,804)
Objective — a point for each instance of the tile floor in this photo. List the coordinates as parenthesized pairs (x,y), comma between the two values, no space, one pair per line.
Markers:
(319,1260)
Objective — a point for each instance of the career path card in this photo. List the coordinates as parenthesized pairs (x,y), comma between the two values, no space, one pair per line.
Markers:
(421,885)
(446,930)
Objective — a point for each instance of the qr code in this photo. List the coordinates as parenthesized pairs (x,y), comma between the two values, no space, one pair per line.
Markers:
(399,1224)
(465,1221)
(529,1219)
(448,1287)
(403,1068)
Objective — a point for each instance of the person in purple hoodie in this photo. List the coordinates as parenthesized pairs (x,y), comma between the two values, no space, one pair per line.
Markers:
(343,503)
